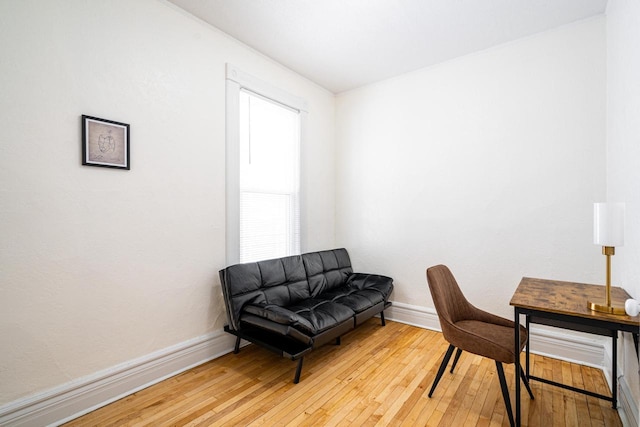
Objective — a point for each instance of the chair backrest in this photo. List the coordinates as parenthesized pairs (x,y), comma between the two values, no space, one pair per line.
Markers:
(451,305)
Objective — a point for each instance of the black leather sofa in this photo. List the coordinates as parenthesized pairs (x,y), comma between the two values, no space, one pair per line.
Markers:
(294,304)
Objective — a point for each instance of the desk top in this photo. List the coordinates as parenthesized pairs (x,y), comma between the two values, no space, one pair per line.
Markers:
(569,298)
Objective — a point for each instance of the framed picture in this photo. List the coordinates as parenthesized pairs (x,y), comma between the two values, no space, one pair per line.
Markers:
(105,143)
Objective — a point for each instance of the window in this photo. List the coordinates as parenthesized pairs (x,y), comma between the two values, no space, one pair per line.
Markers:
(263,179)
(269,204)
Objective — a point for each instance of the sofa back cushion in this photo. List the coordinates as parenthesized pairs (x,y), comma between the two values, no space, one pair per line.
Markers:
(282,281)
(327,270)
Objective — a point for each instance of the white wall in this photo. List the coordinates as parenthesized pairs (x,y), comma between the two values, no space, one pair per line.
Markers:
(623,154)
(100,266)
(488,163)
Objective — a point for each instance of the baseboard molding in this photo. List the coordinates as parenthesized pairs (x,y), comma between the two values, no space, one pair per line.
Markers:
(627,407)
(569,347)
(413,315)
(559,345)
(76,398)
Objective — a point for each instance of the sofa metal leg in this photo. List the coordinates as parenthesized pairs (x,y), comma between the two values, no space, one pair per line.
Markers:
(443,366)
(382,318)
(236,349)
(505,392)
(338,341)
(455,359)
(296,379)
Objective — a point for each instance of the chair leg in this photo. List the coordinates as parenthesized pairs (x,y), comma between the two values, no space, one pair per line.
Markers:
(443,366)
(455,359)
(525,380)
(296,379)
(236,349)
(382,319)
(338,341)
(505,392)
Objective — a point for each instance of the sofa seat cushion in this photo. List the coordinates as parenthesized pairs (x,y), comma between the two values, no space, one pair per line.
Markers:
(322,314)
(354,298)
(311,316)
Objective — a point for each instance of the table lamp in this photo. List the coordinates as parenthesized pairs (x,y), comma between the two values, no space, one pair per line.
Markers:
(608,232)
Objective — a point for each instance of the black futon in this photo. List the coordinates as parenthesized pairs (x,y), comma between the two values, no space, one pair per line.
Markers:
(294,304)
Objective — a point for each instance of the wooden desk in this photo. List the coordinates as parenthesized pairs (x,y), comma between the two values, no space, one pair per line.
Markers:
(564,305)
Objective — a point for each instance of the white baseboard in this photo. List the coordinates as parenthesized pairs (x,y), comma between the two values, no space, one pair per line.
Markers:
(569,347)
(70,400)
(413,315)
(76,398)
(628,407)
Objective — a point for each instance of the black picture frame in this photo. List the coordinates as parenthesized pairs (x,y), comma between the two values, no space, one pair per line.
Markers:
(105,143)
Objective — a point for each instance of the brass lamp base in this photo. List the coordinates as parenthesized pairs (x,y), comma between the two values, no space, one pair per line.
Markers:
(607,307)
(602,308)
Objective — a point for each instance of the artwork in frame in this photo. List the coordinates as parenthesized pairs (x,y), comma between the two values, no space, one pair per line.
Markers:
(105,143)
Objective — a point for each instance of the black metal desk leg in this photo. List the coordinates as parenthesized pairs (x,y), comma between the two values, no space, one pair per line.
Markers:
(528,345)
(614,369)
(517,363)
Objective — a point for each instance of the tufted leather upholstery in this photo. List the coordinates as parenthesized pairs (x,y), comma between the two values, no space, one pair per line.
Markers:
(301,296)
(281,281)
(361,291)
(327,270)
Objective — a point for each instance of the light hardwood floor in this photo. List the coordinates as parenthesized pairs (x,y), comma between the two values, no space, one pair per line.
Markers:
(377,376)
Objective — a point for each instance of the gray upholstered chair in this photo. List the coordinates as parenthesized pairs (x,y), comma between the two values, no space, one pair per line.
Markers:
(468,328)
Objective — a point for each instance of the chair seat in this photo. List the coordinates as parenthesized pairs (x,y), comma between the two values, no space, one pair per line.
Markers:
(488,339)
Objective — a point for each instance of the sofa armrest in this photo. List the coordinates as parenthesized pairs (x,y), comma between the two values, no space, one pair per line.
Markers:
(382,284)
(277,328)
(280,315)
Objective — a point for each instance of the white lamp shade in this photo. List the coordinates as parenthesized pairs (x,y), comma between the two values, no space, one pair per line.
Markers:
(608,224)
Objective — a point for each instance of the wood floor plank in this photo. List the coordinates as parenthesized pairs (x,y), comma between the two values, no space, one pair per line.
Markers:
(478,391)
(407,380)
(595,411)
(413,403)
(378,376)
(582,408)
(571,410)
(458,409)
(534,414)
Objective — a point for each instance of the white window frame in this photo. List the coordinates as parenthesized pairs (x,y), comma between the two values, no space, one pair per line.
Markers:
(235,81)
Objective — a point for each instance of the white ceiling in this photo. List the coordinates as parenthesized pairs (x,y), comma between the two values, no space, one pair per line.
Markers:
(344,44)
